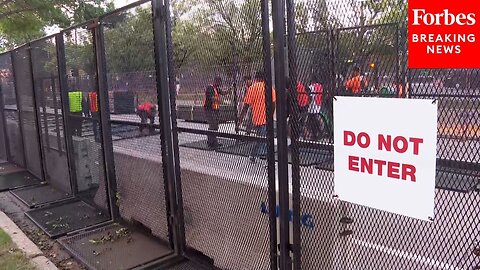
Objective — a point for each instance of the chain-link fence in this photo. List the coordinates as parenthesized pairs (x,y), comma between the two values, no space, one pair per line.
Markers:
(206,133)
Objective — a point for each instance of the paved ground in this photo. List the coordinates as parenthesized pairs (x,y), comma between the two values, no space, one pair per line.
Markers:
(15,210)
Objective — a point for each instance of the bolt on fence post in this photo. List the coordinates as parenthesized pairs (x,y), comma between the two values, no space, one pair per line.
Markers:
(63,88)
(35,115)
(278,13)
(272,193)
(108,158)
(166,100)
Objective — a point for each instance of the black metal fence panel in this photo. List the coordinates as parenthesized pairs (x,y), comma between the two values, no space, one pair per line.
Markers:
(12,133)
(222,98)
(50,114)
(27,110)
(371,38)
(134,118)
(83,120)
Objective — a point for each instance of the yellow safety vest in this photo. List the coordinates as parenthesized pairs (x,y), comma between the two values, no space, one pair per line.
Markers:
(75,101)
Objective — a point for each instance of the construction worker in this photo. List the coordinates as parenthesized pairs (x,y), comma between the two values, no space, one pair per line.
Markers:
(94,114)
(313,123)
(146,111)
(356,83)
(75,102)
(255,100)
(211,104)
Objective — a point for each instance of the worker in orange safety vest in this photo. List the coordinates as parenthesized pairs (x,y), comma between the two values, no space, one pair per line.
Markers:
(92,99)
(211,104)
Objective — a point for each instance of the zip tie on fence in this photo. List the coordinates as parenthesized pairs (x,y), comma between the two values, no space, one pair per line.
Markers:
(434,101)
(334,97)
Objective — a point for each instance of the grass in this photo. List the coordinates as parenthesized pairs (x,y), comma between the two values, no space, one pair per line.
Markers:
(10,256)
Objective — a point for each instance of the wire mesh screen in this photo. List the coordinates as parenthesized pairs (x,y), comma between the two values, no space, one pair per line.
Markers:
(372,52)
(224,178)
(134,120)
(13,136)
(27,113)
(369,41)
(83,117)
(47,94)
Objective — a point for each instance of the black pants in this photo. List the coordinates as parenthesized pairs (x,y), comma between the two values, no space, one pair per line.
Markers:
(96,126)
(76,123)
(144,117)
(212,120)
(314,125)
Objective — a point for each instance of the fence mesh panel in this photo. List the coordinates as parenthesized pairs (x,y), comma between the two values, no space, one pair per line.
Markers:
(134,118)
(10,111)
(224,178)
(370,37)
(24,93)
(85,126)
(47,94)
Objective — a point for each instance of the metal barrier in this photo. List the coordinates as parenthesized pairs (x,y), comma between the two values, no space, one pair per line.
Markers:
(211,141)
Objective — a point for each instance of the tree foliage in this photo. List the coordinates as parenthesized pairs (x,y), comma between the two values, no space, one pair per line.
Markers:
(23,20)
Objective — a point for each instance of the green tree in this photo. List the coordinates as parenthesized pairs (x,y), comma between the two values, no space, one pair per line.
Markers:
(23,20)
(129,42)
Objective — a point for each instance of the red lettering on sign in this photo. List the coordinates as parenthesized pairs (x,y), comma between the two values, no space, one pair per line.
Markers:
(396,144)
(393,170)
(384,142)
(416,142)
(409,170)
(360,141)
(366,165)
(380,164)
(353,163)
(348,138)
(400,144)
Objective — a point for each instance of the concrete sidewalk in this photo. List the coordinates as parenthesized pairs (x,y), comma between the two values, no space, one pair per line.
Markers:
(24,244)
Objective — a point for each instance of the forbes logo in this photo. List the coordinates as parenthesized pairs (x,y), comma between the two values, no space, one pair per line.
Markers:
(422,17)
(305,219)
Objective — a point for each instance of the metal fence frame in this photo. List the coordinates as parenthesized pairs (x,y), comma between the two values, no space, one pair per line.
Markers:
(284,254)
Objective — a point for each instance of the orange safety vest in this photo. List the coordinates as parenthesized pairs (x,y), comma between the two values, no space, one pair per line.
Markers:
(215,99)
(92,97)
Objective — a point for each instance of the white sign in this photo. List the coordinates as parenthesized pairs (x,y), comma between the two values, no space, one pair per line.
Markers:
(385,153)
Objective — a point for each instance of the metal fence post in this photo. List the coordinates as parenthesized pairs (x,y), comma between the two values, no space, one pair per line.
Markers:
(36,116)
(63,88)
(102,82)
(296,131)
(166,100)
(55,111)
(272,193)
(278,11)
